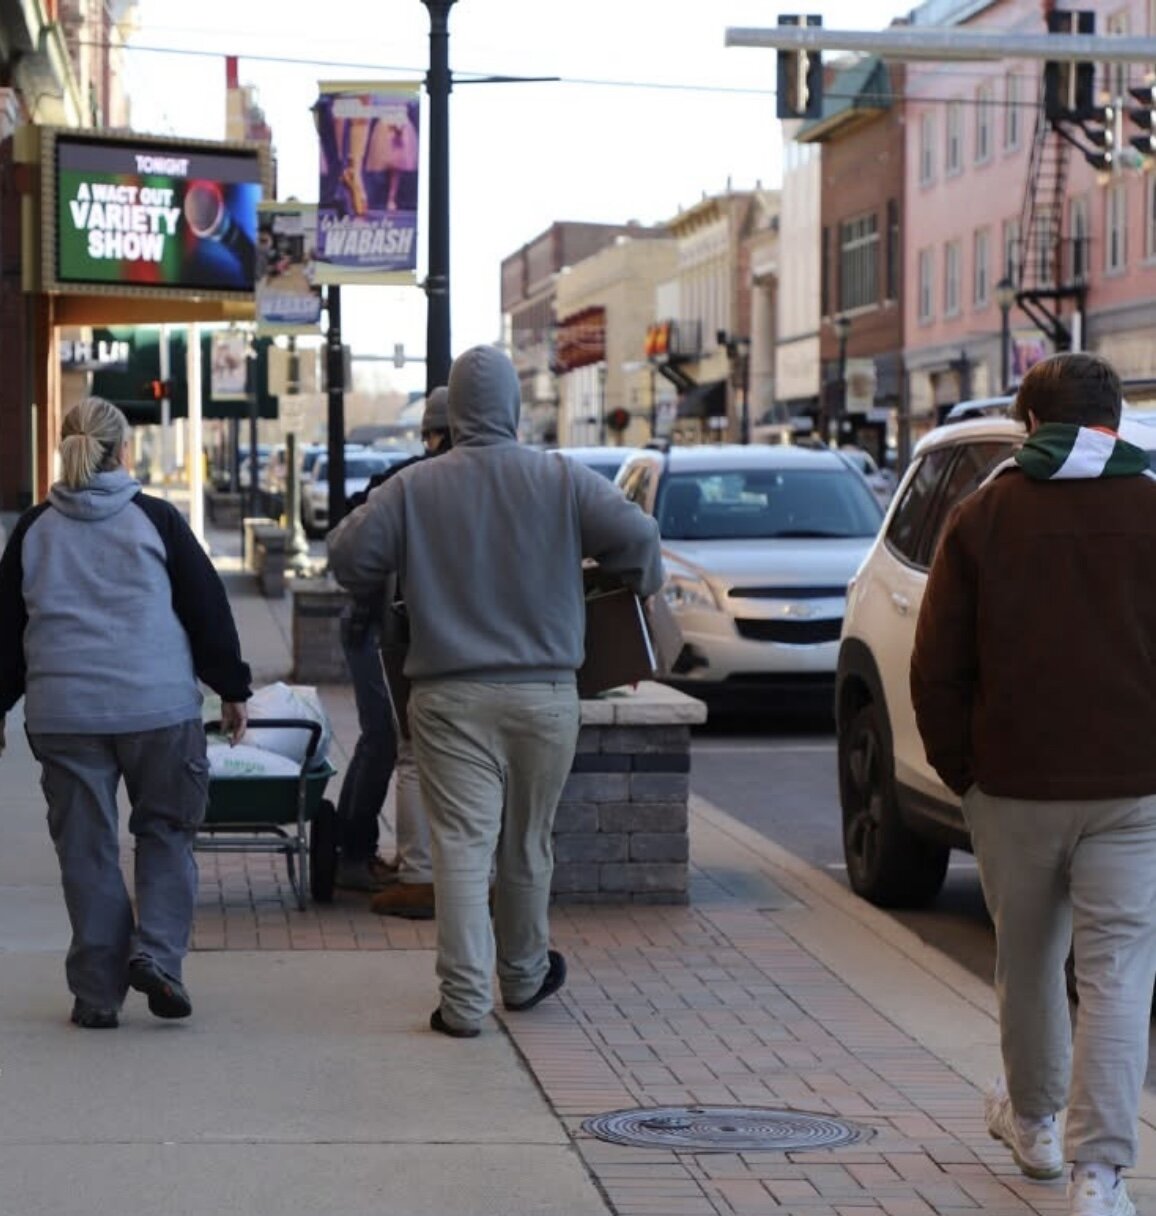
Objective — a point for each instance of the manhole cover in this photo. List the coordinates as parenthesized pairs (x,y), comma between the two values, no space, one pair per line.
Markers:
(724,1129)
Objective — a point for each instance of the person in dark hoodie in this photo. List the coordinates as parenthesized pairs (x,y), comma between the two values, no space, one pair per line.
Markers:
(406,885)
(1033,679)
(112,611)
(488,542)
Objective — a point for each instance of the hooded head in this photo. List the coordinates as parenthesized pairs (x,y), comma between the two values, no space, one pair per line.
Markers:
(484,398)
(437,411)
(435,423)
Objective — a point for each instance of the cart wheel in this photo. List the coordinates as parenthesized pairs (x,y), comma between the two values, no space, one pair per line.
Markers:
(323,851)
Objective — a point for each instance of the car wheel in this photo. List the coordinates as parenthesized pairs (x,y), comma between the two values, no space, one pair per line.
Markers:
(887,863)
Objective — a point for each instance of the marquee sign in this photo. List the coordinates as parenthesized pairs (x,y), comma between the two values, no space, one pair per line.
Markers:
(137,215)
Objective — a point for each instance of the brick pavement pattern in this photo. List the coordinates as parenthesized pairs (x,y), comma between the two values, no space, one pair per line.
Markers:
(751,995)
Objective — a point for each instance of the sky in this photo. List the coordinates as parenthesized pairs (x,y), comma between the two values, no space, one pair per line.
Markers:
(652,113)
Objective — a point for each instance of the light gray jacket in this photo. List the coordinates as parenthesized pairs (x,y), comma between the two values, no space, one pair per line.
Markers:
(488,541)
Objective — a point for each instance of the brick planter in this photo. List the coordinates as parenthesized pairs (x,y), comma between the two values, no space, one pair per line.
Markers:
(620,835)
(317,655)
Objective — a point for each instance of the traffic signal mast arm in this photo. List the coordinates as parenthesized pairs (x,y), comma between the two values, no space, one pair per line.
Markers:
(934,43)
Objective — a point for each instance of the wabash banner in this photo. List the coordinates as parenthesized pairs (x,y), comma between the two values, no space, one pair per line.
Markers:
(164,216)
(367,198)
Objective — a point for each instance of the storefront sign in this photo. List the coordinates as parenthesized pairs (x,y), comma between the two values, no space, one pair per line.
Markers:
(134,214)
(368,193)
(580,340)
(98,355)
(288,302)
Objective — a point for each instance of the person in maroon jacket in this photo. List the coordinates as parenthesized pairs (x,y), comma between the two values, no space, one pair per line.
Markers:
(1034,685)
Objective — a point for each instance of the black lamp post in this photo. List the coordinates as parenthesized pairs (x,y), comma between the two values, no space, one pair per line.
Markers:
(438,84)
(1005,297)
(841,324)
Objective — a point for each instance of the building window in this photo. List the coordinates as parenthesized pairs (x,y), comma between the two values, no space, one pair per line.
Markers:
(951,261)
(984,112)
(953,139)
(981,268)
(1149,216)
(1115,224)
(1116,74)
(1011,250)
(1011,114)
(926,285)
(1080,234)
(859,262)
(825,273)
(927,148)
(893,248)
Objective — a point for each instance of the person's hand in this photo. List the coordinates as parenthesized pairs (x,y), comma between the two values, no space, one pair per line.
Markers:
(234,719)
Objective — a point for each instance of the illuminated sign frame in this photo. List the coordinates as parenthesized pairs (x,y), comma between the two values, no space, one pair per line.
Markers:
(162,147)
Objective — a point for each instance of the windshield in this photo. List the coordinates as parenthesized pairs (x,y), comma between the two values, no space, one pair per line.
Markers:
(765,504)
(356,467)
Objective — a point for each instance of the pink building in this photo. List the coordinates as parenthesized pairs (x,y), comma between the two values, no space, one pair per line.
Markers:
(992,192)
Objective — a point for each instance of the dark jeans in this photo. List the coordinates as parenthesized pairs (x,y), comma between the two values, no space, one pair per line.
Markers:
(371,766)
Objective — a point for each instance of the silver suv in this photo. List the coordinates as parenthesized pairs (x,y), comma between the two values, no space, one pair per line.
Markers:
(900,822)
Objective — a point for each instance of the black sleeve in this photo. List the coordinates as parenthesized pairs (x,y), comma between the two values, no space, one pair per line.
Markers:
(200,603)
(13,612)
(356,500)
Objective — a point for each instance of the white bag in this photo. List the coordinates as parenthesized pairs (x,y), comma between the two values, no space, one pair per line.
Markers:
(244,761)
(282,700)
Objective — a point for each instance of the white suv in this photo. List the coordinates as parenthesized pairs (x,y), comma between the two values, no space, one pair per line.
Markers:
(900,822)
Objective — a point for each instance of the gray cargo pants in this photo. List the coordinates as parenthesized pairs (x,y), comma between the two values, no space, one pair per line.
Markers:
(166,775)
(492,760)
(1049,868)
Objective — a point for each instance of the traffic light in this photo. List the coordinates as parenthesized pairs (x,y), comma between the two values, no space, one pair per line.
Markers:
(800,76)
(618,419)
(1144,116)
(1102,129)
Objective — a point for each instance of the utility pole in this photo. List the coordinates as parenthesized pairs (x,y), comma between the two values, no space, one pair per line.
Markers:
(438,84)
(335,368)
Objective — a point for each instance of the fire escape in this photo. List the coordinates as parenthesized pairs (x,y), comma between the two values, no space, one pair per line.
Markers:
(1046,267)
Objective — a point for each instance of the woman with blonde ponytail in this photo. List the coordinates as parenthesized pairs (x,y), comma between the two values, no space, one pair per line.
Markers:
(112,613)
(94,438)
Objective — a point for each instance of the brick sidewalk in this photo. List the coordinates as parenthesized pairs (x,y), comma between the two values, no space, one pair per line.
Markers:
(717,1003)
(775,987)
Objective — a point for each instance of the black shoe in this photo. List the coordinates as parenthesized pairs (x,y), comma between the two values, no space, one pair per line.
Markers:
(438,1023)
(555,978)
(167,996)
(90,1018)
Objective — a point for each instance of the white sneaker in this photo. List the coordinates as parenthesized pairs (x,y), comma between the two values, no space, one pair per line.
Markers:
(1034,1143)
(1098,1194)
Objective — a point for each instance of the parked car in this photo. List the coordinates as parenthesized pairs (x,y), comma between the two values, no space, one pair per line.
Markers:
(900,822)
(759,543)
(882,481)
(604,460)
(360,466)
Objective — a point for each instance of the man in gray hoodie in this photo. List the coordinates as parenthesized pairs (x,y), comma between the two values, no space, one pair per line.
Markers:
(488,543)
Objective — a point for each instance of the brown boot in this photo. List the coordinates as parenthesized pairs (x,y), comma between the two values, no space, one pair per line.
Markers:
(413,900)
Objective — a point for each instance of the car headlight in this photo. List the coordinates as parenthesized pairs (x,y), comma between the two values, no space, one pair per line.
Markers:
(682,591)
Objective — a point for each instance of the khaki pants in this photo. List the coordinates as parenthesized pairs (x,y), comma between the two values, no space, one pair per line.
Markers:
(1051,871)
(492,760)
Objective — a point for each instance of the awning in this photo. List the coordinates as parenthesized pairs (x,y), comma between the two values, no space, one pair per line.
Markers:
(704,400)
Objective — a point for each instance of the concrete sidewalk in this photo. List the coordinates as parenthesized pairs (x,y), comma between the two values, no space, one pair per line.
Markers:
(307,1081)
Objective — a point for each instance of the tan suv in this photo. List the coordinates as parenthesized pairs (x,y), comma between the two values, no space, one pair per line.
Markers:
(900,822)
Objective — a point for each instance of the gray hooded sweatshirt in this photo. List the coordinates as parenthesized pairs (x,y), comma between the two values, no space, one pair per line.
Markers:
(488,542)
(111,611)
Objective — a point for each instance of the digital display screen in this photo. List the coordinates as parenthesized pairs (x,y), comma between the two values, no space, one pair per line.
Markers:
(161,216)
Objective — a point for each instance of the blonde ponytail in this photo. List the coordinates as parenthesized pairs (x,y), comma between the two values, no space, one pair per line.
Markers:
(91,437)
